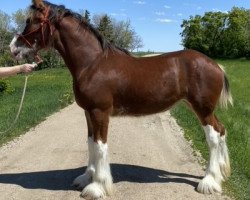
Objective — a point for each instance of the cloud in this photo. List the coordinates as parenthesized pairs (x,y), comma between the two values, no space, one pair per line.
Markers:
(167,7)
(140,2)
(199,8)
(159,13)
(179,14)
(164,20)
(118,14)
(218,10)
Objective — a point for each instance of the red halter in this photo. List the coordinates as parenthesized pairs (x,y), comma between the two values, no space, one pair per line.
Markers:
(45,21)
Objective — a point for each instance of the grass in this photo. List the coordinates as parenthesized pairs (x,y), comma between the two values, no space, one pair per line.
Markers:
(237,122)
(47,92)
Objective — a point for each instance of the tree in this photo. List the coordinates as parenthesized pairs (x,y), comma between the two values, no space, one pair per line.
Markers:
(19,18)
(193,34)
(5,35)
(125,36)
(137,43)
(237,39)
(219,34)
(106,28)
(214,24)
(5,21)
(118,33)
(87,16)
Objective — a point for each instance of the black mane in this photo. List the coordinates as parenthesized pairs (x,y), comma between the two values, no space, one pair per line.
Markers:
(62,11)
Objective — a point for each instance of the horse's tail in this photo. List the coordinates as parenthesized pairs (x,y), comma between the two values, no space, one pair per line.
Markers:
(225,96)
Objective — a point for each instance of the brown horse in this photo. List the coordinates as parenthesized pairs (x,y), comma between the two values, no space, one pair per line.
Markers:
(109,81)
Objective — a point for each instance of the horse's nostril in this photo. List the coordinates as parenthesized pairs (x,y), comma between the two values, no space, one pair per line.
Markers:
(15,53)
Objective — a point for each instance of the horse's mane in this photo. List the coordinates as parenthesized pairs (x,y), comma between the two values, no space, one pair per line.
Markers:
(61,11)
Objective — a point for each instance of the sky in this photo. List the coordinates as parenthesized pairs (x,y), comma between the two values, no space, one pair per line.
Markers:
(157,22)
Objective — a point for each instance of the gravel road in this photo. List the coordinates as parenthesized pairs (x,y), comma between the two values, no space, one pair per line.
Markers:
(150,160)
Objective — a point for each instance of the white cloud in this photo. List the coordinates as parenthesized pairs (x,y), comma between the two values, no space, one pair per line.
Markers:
(118,14)
(199,8)
(113,14)
(140,2)
(179,14)
(164,20)
(159,13)
(218,10)
(167,7)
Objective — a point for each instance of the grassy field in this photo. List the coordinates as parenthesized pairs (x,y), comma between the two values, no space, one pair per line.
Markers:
(237,122)
(47,91)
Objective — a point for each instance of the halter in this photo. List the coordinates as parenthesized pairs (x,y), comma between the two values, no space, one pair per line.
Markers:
(45,21)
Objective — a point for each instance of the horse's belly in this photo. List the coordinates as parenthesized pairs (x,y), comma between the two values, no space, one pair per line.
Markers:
(137,107)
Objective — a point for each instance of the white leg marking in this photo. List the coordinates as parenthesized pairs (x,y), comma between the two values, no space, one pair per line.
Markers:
(102,179)
(83,180)
(224,161)
(212,181)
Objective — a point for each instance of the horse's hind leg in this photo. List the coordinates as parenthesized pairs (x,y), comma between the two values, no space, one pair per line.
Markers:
(101,184)
(83,180)
(218,168)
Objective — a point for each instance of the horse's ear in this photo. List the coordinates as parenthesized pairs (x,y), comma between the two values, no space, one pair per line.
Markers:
(38,4)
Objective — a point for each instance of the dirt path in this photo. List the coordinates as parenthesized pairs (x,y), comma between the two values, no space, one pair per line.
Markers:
(150,160)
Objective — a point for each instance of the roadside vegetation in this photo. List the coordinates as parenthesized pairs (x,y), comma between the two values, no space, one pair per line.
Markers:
(47,91)
(237,122)
(219,34)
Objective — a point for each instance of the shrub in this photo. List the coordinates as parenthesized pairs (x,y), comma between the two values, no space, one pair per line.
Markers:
(5,87)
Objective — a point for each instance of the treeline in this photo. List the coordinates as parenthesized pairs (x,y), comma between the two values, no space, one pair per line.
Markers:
(219,34)
(118,33)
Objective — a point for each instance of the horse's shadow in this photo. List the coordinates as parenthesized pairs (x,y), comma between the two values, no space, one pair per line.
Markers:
(62,179)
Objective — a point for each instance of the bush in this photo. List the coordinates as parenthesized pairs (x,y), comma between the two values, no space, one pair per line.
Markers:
(5,87)
(6,59)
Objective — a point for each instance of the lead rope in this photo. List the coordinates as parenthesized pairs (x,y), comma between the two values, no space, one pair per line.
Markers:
(20,107)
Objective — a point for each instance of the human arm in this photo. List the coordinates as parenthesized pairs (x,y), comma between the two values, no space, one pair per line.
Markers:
(9,71)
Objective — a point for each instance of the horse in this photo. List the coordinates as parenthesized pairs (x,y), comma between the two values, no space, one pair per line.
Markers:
(109,81)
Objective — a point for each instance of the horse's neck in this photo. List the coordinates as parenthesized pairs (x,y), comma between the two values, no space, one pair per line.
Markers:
(78,47)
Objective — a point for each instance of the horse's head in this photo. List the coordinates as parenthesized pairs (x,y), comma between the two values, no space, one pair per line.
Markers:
(36,34)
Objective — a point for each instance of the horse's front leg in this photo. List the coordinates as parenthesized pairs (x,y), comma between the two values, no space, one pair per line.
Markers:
(83,180)
(101,184)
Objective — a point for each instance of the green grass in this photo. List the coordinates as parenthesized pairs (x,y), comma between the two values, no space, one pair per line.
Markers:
(47,92)
(237,122)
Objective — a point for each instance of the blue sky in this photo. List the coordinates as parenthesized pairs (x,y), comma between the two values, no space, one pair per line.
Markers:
(156,21)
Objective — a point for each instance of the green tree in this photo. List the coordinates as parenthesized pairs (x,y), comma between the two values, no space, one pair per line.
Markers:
(105,26)
(219,34)
(214,24)
(125,36)
(193,34)
(19,18)
(86,16)
(5,26)
(120,33)
(237,33)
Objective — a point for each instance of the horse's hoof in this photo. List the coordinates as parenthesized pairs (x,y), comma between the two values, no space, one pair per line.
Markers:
(93,191)
(81,181)
(208,185)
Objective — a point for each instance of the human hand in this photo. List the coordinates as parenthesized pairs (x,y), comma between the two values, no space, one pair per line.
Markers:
(27,68)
